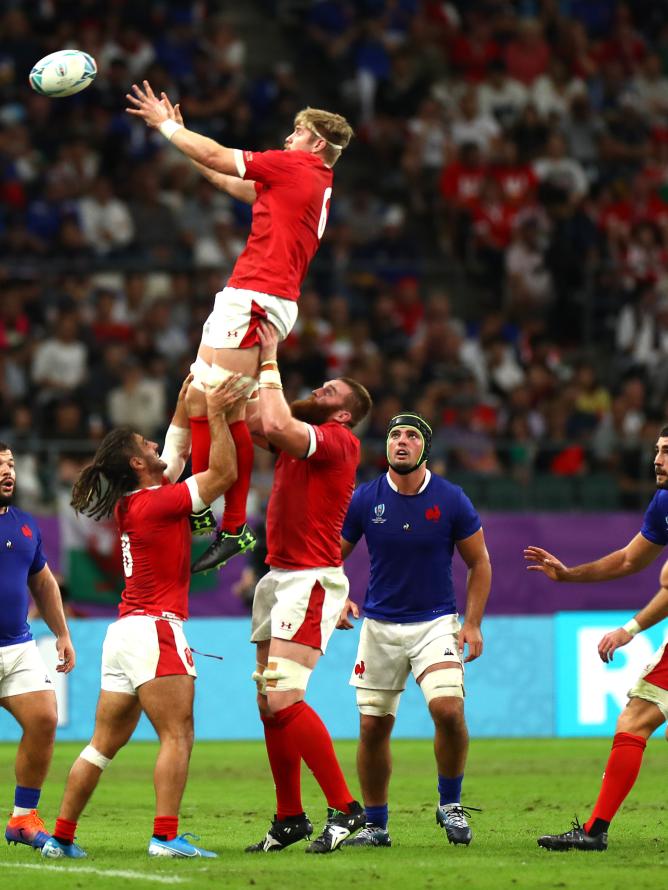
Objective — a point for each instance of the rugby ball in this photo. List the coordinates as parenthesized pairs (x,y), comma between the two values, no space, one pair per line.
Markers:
(63,73)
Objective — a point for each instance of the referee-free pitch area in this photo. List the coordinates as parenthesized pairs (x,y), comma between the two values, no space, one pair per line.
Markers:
(525,787)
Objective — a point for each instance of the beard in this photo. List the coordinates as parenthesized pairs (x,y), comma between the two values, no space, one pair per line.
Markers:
(311,411)
(6,500)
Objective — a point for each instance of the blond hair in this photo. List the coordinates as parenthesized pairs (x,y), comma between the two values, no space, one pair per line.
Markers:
(333,128)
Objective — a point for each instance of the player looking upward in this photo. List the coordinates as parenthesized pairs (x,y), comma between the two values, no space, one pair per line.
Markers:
(146,663)
(298,602)
(412,520)
(26,690)
(290,191)
(647,707)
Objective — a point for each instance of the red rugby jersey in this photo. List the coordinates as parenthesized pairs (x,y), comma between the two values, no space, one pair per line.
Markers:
(289,216)
(309,501)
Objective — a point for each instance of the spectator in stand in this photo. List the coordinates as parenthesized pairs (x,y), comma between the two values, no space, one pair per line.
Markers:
(501,96)
(60,362)
(527,56)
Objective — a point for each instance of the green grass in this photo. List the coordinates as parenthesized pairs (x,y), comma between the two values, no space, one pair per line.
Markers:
(525,787)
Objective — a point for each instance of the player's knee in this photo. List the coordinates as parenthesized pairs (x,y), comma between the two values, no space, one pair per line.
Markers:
(445,683)
(92,755)
(378,702)
(374,730)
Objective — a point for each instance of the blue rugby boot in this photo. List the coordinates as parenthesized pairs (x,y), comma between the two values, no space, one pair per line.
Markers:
(54,849)
(179,848)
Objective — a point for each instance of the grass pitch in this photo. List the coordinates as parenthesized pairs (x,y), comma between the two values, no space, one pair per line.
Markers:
(525,787)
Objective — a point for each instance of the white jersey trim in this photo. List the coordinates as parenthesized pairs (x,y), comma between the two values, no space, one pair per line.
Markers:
(427,477)
(193,488)
(239,161)
(312,442)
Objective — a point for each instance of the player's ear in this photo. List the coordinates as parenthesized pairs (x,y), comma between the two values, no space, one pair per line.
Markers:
(343,416)
(137,462)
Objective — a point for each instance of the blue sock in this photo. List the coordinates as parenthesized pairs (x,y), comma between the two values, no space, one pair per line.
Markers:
(450,790)
(27,798)
(377,815)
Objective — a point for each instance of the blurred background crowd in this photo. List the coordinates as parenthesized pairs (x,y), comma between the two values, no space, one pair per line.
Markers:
(496,256)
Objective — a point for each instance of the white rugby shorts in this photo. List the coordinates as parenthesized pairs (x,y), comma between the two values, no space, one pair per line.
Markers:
(388,652)
(302,606)
(238,313)
(139,648)
(645,689)
(23,670)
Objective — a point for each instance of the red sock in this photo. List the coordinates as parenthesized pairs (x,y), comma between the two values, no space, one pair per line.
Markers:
(621,771)
(286,762)
(166,826)
(65,830)
(309,735)
(237,495)
(201,436)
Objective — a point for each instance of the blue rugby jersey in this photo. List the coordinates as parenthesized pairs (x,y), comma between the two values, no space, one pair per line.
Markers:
(410,539)
(20,556)
(655,522)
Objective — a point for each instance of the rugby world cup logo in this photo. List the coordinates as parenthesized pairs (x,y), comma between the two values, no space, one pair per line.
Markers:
(378,511)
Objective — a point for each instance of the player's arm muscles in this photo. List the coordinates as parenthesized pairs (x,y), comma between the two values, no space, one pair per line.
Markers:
(178,443)
(637,555)
(46,593)
(473,551)
(240,189)
(222,470)
(280,428)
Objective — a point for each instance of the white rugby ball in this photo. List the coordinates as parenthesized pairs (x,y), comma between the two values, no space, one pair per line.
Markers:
(63,73)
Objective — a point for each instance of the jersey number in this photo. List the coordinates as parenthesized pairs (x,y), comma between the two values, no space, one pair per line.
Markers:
(323,213)
(126,553)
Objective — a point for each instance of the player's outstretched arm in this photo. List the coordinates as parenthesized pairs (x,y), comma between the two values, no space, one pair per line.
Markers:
(178,438)
(241,189)
(281,429)
(147,106)
(655,610)
(473,551)
(46,593)
(637,555)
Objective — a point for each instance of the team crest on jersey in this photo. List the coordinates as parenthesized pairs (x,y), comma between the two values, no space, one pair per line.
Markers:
(433,514)
(27,531)
(378,510)
(359,670)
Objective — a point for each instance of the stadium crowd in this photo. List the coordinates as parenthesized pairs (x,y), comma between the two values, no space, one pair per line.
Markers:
(497,250)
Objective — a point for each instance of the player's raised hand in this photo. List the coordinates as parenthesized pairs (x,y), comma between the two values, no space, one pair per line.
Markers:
(470,634)
(542,561)
(174,111)
(611,642)
(349,608)
(221,398)
(184,388)
(268,336)
(146,105)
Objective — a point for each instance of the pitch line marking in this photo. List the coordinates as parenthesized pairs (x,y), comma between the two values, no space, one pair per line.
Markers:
(88,869)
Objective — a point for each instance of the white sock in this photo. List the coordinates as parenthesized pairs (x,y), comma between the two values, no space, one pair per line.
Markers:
(21,811)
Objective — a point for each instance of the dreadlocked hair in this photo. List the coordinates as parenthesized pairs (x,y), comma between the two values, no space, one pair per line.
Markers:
(109,477)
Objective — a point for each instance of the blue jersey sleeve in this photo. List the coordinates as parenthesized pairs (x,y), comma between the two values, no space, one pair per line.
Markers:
(39,560)
(655,522)
(353,528)
(467,522)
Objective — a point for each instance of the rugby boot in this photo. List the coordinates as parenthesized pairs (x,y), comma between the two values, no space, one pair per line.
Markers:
(575,839)
(28,829)
(203,523)
(338,827)
(369,836)
(282,834)
(452,818)
(179,848)
(224,548)
(54,849)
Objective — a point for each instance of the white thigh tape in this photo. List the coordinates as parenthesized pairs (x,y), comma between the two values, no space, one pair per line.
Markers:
(283,674)
(446,682)
(217,374)
(378,702)
(200,371)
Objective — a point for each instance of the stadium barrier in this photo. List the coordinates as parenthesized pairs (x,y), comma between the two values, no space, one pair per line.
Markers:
(539,676)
